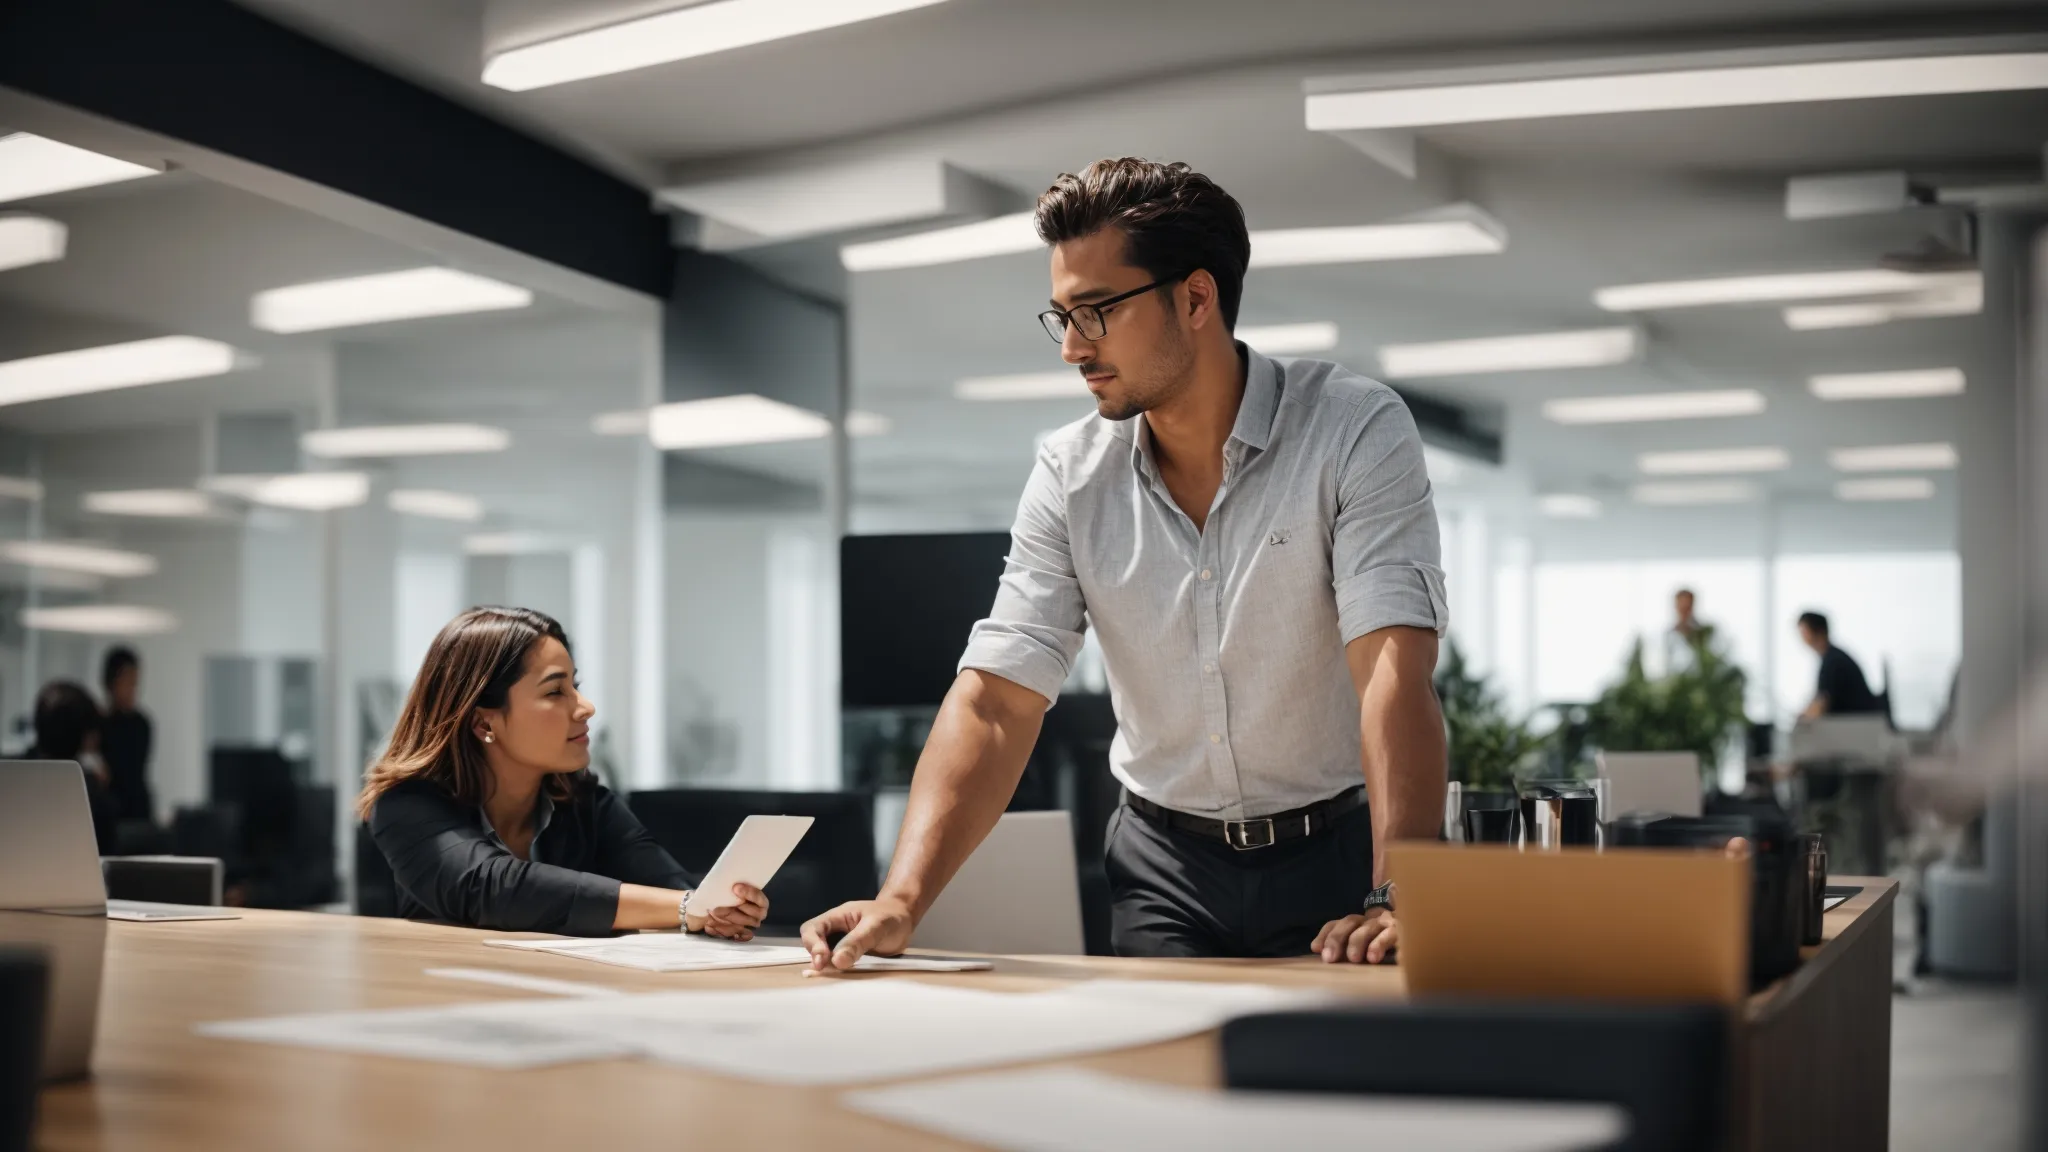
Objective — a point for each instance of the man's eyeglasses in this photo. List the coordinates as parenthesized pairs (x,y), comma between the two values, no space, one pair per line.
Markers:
(1089,317)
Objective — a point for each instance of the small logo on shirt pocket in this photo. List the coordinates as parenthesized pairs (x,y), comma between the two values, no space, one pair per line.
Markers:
(1275,539)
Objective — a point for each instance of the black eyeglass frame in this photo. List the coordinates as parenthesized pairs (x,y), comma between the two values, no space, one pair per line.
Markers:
(1055,320)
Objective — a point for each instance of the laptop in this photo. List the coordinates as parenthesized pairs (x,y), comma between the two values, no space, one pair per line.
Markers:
(52,899)
(1651,782)
(1627,924)
(1019,894)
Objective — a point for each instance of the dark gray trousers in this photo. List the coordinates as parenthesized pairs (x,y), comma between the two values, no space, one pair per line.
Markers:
(1174,893)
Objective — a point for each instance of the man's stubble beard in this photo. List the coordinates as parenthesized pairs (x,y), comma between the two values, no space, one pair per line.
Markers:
(1169,375)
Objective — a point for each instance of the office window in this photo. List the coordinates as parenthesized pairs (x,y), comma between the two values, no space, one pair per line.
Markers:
(1898,614)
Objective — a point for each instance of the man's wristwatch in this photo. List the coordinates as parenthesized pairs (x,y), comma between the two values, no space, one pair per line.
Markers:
(1381,897)
(683,910)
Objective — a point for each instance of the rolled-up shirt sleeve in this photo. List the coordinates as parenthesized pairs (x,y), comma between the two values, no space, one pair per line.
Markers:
(1034,631)
(1386,555)
(443,859)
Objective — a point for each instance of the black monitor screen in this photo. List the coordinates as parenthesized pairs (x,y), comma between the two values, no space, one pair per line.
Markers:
(906,604)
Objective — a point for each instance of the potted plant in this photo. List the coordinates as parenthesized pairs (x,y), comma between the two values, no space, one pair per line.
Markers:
(1487,748)
(1697,708)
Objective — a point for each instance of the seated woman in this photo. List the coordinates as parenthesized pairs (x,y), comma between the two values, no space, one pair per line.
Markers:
(67,724)
(484,807)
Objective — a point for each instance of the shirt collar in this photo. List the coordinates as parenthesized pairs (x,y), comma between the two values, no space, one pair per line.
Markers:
(1254,427)
(545,812)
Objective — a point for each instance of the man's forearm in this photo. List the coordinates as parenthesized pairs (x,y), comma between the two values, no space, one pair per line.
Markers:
(1401,730)
(965,778)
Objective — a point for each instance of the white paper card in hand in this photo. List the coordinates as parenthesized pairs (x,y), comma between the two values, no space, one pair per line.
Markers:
(752,856)
(487,1035)
(1074,1110)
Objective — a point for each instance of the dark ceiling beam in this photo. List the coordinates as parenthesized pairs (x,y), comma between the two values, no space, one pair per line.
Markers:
(220,77)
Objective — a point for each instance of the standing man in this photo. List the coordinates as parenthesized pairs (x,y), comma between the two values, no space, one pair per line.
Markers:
(1841,690)
(1684,635)
(1255,546)
(126,736)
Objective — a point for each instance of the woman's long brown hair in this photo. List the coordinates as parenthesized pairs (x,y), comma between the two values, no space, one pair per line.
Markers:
(473,663)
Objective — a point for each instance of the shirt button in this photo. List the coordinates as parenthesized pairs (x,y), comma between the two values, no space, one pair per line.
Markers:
(1215,739)
(1205,573)
(1208,667)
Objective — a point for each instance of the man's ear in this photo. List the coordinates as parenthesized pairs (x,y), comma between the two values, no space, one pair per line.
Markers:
(1203,300)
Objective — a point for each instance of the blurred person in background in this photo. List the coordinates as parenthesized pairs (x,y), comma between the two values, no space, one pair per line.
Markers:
(1841,689)
(68,726)
(486,810)
(1685,635)
(126,736)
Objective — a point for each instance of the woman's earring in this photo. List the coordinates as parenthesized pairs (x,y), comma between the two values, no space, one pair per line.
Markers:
(488,738)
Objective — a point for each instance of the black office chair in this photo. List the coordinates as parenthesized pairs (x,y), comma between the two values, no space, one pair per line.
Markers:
(1667,1067)
(833,863)
(24,989)
(376,887)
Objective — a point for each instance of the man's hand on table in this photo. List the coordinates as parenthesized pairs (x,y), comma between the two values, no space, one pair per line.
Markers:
(1364,938)
(881,926)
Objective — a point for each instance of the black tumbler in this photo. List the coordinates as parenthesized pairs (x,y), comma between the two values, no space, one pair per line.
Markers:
(1489,825)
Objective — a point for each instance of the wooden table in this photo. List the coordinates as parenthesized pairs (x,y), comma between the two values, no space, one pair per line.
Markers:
(1817,1062)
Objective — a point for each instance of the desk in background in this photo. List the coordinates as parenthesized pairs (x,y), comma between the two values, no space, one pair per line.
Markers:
(1814,1064)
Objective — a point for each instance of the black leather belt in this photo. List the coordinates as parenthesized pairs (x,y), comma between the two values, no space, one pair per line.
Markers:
(1261,832)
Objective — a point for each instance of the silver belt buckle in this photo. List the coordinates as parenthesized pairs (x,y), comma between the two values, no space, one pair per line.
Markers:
(1237,833)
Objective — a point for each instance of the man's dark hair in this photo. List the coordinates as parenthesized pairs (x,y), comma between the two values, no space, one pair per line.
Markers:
(1815,621)
(64,716)
(1174,219)
(119,659)
(1685,592)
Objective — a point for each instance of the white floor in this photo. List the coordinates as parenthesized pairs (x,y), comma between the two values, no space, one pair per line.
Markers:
(1956,1069)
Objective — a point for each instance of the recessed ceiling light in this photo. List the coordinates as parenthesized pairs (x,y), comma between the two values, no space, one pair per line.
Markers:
(1714,461)
(1454,230)
(436,505)
(112,366)
(68,556)
(1672,86)
(26,240)
(1963,300)
(514,544)
(405,440)
(1697,492)
(1769,289)
(1886,488)
(1583,348)
(997,236)
(100,620)
(36,166)
(631,422)
(1290,339)
(730,421)
(156,503)
(1654,406)
(861,424)
(679,34)
(1568,506)
(20,488)
(1023,386)
(1894,458)
(303,491)
(1887,385)
(383,296)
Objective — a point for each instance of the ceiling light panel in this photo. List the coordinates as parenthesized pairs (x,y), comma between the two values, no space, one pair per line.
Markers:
(631,422)
(1671,87)
(37,166)
(1583,348)
(67,556)
(1289,339)
(1653,406)
(405,440)
(1460,230)
(20,488)
(26,240)
(433,504)
(302,491)
(1680,493)
(100,620)
(1965,299)
(1771,289)
(111,366)
(1023,386)
(1888,385)
(514,544)
(1714,461)
(1568,506)
(1894,458)
(997,236)
(152,503)
(681,34)
(379,298)
(731,421)
(1885,488)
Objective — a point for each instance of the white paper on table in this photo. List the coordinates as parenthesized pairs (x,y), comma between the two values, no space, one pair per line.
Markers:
(686,952)
(1829,902)
(1075,1110)
(488,1035)
(849,1033)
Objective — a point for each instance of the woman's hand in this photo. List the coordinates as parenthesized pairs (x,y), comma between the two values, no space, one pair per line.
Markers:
(736,921)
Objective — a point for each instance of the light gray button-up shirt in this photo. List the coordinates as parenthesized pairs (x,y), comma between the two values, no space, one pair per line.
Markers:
(1225,647)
